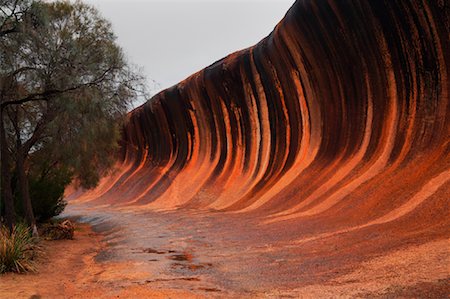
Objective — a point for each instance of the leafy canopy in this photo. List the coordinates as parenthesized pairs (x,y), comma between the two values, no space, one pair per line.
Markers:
(65,85)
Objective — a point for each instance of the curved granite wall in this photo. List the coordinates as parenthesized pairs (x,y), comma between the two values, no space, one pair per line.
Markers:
(342,110)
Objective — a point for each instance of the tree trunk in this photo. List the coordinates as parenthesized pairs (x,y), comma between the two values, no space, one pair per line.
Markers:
(25,192)
(6,191)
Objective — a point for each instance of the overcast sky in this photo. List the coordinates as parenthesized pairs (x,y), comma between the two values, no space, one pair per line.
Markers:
(172,39)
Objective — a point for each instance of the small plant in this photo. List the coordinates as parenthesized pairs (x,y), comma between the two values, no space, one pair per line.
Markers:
(16,249)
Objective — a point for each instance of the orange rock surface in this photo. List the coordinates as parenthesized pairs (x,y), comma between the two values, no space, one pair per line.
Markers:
(335,129)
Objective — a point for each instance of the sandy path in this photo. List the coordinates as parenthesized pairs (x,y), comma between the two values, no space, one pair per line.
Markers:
(187,254)
(68,269)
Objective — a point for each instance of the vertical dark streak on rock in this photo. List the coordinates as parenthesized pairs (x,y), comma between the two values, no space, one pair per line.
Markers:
(344,105)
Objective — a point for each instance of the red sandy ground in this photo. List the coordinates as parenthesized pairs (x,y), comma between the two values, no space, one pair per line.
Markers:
(67,269)
(219,267)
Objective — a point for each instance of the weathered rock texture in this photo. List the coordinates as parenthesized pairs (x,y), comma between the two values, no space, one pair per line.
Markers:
(339,117)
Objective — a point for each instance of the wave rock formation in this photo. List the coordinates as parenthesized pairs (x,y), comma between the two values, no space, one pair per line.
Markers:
(339,117)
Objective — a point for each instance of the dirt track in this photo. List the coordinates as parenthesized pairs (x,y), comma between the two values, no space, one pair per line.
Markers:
(190,254)
(69,269)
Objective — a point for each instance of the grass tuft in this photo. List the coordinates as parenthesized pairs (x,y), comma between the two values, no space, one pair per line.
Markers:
(16,250)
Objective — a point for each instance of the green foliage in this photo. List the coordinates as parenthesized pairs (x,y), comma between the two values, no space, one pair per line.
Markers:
(16,250)
(90,142)
(47,183)
(65,87)
(47,194)
(13,13)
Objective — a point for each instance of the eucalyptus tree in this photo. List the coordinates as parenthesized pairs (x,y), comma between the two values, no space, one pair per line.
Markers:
(64,87)
(12,13)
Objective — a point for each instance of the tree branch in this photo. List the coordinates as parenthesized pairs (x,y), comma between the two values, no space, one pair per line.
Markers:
(43,96)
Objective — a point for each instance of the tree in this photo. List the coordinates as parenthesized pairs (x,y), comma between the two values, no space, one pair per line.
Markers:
(12,13)
(63,81)
(11,17)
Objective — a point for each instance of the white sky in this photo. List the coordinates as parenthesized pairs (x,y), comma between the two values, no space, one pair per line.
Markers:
(172,39)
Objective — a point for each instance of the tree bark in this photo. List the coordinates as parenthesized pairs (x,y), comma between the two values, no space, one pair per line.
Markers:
(25,191)
(6,191)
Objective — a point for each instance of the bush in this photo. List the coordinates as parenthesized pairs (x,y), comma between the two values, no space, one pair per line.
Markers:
(47,196)
(16,250)
(46,192)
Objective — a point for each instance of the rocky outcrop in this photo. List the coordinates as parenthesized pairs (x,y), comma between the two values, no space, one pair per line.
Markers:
(341,113)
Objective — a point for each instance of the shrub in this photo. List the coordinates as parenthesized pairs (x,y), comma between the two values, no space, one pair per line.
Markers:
(16,249)
(46,191)
(47,195)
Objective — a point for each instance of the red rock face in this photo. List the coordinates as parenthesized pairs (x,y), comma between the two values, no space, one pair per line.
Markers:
(341,113)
